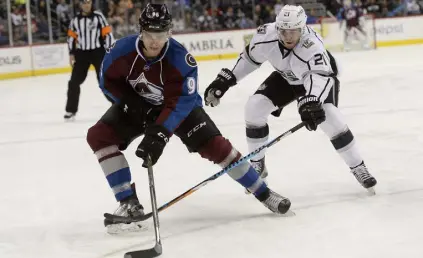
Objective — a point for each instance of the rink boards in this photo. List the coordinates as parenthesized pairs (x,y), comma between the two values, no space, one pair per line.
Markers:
(50,59)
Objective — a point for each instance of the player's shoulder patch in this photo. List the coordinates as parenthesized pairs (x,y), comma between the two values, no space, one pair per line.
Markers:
(308,47)
(180,58)
(190,60)
(262,29)
(307,43)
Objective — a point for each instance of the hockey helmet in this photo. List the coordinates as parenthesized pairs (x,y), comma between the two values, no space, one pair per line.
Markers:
(291,17)
(155,18)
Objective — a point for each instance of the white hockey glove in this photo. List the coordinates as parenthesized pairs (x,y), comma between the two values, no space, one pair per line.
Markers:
(215,91)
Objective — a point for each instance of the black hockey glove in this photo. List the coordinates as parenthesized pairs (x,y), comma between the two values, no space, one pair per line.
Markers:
(218,87)
(134,107)
(155,139)
(311,112)
(137,111)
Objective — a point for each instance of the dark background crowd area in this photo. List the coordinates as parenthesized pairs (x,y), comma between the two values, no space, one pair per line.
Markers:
(188,15)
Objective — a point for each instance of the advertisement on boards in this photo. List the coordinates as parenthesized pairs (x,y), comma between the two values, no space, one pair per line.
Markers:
(405,28)
(14,60)
(201,44)
(50,56)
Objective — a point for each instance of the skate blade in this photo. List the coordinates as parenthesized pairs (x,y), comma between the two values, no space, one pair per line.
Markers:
(371,191)
(123,228)
(69,120)
(289,213)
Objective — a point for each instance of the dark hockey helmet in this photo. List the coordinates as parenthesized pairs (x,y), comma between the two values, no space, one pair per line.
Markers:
(156,18)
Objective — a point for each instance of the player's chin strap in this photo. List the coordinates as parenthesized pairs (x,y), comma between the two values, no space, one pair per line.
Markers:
(121,219)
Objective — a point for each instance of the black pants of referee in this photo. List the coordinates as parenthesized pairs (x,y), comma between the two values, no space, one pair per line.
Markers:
(83,60)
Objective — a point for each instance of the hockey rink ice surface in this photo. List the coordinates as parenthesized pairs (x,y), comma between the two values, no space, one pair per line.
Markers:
(53,193)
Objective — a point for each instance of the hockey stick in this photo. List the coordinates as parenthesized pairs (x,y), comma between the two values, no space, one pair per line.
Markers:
(120,219)
(157,249)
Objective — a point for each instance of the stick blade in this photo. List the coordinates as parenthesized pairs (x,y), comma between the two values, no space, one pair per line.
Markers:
(147,253)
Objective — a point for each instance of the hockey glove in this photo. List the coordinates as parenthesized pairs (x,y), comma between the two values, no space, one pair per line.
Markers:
(311,112)
(218,87)
(155,139)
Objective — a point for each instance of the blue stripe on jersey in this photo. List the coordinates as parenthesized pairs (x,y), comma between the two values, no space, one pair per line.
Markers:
(122,47)
(119,177)
(186,103)
(189,98)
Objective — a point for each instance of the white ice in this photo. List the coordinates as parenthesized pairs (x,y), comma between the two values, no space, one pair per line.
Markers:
(53,193)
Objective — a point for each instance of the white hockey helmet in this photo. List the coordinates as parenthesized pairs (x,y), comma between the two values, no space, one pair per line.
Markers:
(291,17)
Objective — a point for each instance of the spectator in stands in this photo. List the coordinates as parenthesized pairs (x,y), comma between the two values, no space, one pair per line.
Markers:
(197,9)
(133,20)
(205,22)
(412,7)
(18,26)
(396,8)
(189,23)
(17,18)
(333,6)
(270,14)
(247,9)
(278,6)
(42,8)
(230,19)
(20,4)
(115,20)
(4,37)
(63,15)
(374,8)
(75,7)
(260,15)
(42,30)
(311,17)
(243,21)
(111,9)
(203,15)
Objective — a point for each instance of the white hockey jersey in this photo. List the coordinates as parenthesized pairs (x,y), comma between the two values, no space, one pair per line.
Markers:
(307,64)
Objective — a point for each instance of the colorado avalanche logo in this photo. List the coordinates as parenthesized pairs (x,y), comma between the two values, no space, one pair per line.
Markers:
(190,60)
(150,92)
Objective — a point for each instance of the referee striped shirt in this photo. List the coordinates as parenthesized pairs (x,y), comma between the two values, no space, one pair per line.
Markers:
(89,32)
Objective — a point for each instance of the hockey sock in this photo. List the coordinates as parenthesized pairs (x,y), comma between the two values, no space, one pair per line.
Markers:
(116,170)
(346,147)
(248,177)
(257,137)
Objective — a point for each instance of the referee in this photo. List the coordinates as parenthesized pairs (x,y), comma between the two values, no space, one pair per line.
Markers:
(89,35)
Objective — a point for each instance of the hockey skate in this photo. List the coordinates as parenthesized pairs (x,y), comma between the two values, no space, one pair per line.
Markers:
(364,177)
(69,116)
(261,168)
(130,207)
(275,202)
